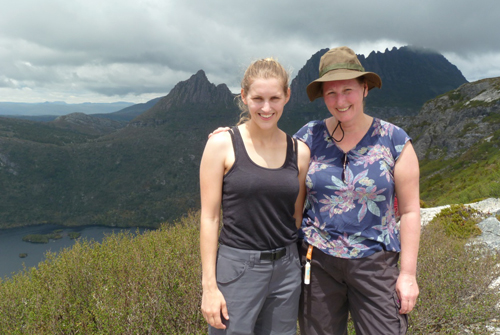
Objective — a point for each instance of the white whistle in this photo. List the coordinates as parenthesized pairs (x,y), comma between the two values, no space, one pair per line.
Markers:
(307,274)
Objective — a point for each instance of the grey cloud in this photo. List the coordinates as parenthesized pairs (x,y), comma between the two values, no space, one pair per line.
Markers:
(132,47)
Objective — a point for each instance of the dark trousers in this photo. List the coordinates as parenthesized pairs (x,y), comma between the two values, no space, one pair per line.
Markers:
(365,287)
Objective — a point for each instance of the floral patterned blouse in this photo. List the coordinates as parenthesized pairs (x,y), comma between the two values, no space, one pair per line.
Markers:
(349,211)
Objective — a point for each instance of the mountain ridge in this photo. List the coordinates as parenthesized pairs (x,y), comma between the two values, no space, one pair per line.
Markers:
(142,174)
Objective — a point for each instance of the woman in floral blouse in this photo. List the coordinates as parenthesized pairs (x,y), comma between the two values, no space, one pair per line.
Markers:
(358,164)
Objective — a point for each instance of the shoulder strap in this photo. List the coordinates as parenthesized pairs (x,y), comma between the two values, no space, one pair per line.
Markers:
(292,147)
(296,149)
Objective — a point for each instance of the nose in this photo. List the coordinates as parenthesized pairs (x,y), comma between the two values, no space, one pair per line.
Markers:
(266,107)
(341,98)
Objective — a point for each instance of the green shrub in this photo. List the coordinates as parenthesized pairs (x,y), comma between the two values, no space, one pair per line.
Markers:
(459,221)
(151,284)
(148,284)
(454,279)
(74,235)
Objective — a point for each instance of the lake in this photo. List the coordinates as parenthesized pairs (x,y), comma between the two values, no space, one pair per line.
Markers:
(11,244)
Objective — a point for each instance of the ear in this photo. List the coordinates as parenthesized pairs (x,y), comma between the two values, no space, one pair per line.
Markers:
(243,97)
(288,95)
(365,90)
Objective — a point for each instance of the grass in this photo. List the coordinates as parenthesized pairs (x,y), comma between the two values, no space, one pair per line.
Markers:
(464,179)
(454,278)
(148,284)
(151,284)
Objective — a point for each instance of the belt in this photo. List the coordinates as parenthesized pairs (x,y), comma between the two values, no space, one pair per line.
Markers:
(273,255)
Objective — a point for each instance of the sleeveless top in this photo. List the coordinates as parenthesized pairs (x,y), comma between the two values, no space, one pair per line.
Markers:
(258,203)
(349,211)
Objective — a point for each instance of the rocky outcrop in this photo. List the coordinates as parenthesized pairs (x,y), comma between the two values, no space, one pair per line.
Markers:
(452,123)
(490,226)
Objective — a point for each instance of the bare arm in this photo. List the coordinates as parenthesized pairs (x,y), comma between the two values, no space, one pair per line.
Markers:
(304,155)
(212,169)
(406,176)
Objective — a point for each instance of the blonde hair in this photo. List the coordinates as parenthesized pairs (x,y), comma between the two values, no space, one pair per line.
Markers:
(261,69)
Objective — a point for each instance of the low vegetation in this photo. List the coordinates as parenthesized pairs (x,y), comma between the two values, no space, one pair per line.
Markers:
(74,235)
(455,277)
(472,176)
(43,238)
(150,284)
(147,284)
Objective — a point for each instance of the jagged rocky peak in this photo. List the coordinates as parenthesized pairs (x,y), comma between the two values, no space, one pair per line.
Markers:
(306,74)
(197,90)
(410,77)
(196,93)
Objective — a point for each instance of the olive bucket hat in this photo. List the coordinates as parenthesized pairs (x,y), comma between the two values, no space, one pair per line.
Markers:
(340,64)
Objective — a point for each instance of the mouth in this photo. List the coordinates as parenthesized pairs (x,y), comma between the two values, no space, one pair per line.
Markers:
(343,109)
(266,116)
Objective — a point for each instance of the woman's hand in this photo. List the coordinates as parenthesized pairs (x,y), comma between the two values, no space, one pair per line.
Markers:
(213,306)
(219,130)
(407,290)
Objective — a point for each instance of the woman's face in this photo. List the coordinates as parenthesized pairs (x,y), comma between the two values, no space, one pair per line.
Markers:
(344,98)
(265,100)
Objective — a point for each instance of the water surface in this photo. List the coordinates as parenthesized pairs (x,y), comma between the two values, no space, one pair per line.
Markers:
(11,244)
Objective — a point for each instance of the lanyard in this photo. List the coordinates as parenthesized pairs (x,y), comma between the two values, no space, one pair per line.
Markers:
(307,274)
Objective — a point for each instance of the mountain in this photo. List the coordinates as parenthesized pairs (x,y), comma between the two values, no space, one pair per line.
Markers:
(129,113)
(16,109)
(81,169)
(87,124)
(457,139)
(187,101)
(452,123)
(142,174)
(410,77)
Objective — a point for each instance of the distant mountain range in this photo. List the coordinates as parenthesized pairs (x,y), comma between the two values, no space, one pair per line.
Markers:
(139,165)
(59,108)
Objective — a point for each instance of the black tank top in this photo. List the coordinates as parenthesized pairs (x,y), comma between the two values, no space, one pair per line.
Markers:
(258,203)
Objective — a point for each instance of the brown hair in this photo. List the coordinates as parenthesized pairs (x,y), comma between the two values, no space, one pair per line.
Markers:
(263,68)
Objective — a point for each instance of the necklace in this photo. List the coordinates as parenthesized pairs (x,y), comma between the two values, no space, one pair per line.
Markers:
(333,138)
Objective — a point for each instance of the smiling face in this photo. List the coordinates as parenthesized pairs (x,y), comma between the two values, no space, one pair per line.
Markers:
(265,100)
(344,98)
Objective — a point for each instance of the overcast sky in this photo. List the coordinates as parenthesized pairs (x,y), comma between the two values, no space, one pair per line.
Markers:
(135,50)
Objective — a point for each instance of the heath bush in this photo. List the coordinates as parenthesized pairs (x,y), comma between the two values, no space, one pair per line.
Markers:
(145,284)
(454,277)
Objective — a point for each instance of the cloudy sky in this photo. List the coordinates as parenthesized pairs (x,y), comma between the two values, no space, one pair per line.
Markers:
(135,50)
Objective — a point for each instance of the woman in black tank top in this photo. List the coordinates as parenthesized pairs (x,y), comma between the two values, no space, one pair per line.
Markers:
(256,173)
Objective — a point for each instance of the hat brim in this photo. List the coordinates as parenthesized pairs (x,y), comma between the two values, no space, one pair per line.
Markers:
(314,89)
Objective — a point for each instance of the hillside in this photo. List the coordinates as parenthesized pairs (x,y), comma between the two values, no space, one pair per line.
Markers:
(129,113)
(143,174)
(81,169)
(87,124)
(457,139)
